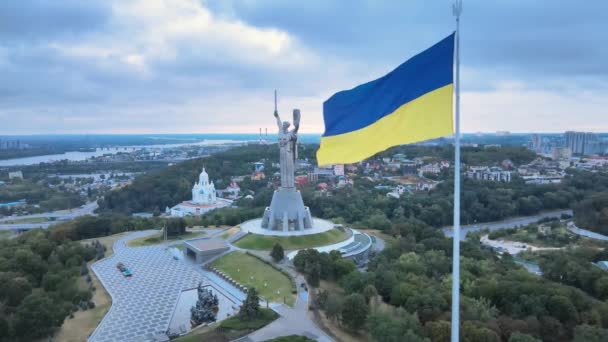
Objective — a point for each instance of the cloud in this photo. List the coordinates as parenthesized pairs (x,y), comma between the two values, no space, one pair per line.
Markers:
(35,20)
(192,66)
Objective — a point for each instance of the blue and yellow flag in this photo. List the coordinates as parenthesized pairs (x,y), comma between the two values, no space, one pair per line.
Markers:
(409,104)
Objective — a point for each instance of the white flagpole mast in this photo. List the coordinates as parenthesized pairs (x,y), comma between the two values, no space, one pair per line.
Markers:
(457,9)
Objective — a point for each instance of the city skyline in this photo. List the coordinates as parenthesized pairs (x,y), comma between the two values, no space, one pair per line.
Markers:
(184,66)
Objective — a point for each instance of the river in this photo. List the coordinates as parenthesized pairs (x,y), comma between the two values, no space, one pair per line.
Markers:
(80,156)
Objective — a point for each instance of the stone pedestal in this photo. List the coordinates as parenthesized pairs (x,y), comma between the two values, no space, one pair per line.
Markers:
(287,211)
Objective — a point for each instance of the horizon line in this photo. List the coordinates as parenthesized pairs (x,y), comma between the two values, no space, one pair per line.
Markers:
(257,133)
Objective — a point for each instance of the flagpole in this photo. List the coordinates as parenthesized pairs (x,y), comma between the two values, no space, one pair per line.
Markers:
(457,10)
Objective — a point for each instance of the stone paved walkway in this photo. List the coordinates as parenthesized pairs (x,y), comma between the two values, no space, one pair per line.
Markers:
(143,304)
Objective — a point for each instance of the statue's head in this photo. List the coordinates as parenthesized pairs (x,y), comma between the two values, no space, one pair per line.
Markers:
(286,125)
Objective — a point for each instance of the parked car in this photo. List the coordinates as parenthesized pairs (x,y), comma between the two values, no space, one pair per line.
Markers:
(124,270)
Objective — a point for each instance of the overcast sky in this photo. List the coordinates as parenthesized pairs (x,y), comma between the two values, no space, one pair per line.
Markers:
(190,66)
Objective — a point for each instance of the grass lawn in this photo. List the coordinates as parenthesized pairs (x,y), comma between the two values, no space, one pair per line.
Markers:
(157,238)
(265,242)
(242,267)
(231,328)
(230,232)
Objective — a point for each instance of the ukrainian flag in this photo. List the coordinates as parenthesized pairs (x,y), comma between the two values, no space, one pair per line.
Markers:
(409,104)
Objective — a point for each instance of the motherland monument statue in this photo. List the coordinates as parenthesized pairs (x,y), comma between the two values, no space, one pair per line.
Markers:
(287,211)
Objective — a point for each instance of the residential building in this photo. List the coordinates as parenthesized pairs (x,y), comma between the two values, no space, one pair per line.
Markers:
(339,170)
(15,174)
(542,179)
(494,174)
(429,168)
(561,153)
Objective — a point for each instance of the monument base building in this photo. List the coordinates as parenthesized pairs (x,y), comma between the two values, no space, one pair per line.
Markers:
(287,211)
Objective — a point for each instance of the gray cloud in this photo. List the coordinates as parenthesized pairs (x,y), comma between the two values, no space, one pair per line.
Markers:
(101,66)
(27,20)
(531,38)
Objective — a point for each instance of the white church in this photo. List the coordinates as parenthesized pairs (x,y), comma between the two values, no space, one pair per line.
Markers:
(204,199)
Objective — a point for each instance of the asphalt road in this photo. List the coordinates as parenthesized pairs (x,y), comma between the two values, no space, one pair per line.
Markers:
(504,224)
(60,215)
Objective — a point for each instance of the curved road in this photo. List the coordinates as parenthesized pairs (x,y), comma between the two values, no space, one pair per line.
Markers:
(505,224)
(60,215)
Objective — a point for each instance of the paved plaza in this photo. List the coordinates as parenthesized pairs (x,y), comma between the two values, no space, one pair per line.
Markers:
(255,226)
(142,305)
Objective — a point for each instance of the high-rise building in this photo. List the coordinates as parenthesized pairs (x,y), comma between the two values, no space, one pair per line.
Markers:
(581,142)
(537,141)
(11,145)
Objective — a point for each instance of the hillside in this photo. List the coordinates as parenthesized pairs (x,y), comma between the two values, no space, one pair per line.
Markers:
(155,191)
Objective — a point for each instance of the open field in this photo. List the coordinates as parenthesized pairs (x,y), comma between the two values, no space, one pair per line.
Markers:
(84,322)
(265,242)
(252,272)
(157,238)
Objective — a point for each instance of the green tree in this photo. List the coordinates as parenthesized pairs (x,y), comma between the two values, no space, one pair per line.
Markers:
(354,311)
(473,333)
(438,331)
(601,287)
(369,292)
(589,333)
(519,337)
(592,213)
(333,306)
(176,226)
(313,273)
(277,252)
(562,308)
(251,306)
(394,326)
(15,290)
(4,328)
(478,309)
(36,316)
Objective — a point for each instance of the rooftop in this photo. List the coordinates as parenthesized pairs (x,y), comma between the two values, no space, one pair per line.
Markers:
(206,244)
